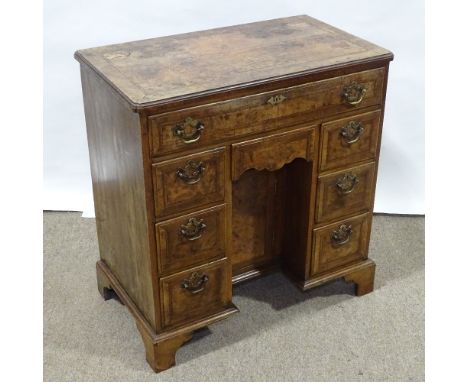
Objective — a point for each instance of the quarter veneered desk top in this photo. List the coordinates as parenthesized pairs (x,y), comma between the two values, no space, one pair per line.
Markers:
(150,71)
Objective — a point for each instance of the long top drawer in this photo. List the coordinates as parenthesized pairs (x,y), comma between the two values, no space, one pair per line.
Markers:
(207,124)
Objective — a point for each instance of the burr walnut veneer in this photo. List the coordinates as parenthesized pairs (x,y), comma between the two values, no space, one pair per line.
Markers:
(221,155)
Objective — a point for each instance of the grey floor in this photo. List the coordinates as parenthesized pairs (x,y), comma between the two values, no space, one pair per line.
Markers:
(281,334)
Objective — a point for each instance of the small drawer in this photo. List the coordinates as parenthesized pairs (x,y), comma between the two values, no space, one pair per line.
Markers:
(197,293)
(189,128)
(349,140)
(272,152)
(341,243)
(345,192)
(211,123)
(189,181)
(191,240)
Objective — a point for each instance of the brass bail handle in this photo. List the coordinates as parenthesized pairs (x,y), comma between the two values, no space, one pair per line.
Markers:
(183,129)
(195,283)
(342,235)
(354,93)
(193,229)
(352,132)
(347,183)
(192,172)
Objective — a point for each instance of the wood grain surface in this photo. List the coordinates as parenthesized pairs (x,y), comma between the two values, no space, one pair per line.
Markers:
(336,151)
(183,306)
(119,190)
(176,252)
(173,194)
(272,152)
(148,71)
(333,204)
(327,256)
(255,114)
(221,155)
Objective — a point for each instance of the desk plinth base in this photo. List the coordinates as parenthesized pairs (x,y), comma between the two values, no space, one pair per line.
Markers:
(160,347)
(361,274)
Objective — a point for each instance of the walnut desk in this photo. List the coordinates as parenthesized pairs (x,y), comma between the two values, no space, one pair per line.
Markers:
(218,156)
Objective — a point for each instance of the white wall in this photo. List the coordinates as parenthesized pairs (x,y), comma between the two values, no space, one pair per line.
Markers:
(70,25)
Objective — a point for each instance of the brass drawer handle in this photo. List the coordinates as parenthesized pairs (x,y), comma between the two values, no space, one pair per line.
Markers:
(193,229)
(354,93)
(195,283)
(347,183)
(351,133)
(276,99)
(181,130)
(192,172)
(342,235)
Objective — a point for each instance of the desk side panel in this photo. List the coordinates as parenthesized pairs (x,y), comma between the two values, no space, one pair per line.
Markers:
(116,156)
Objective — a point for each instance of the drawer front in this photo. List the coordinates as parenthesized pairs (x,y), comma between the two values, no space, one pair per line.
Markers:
(328,97)
(191,240)
(345,192)
(349,140)
(341,243)
(272,152)
(189,181)
(208,124)
(198,293)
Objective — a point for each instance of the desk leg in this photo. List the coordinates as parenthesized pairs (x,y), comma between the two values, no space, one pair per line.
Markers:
(363,278)
(104,284)
(161,355)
